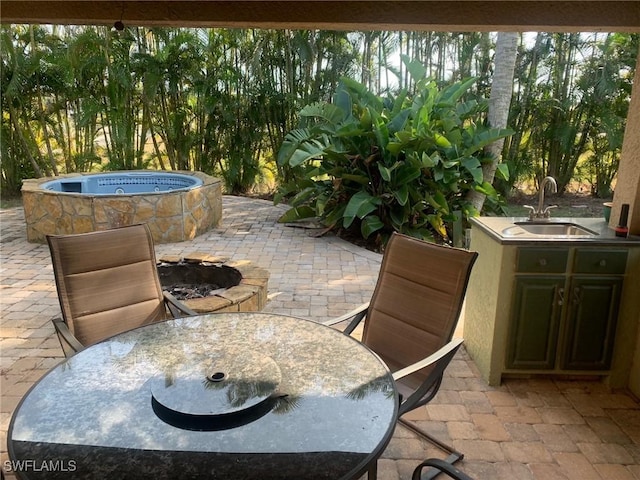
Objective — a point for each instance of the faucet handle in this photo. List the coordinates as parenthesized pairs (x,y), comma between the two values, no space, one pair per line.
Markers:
(546,213)
(532,212)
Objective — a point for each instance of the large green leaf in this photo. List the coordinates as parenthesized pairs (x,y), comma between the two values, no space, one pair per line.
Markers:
(363,96)
(441,201)
(473,166)
(361,179)
(451,177)
(395,148)
(333,216)
(403,136)
(300,146)
(385,173)
(402,194)
(370,224)
(415,68)
(398,122)
(359,206)
(466,108)
(486,188)
(429,161)
(297,213)
(399,102)
(441,140)
(485,138)
(406,174)
(343,102)
(502,171)
(399,215)
(292,141)
(321,204)
(452,93)
(328,112)
(302,196)
(310,150)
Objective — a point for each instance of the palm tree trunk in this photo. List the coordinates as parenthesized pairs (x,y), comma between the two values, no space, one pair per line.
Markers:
(40,114)
(14,119)
(499,102)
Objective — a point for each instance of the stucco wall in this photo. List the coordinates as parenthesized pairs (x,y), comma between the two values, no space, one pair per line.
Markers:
(487,305)
(627,189)
(634,374)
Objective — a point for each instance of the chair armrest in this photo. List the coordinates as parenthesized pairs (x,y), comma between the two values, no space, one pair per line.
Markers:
(441,466)
(177,308)
(449,349)
(356,315)
(437,362)
(66,337)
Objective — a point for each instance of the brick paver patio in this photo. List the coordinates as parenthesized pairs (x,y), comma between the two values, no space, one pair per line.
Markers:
(526,429)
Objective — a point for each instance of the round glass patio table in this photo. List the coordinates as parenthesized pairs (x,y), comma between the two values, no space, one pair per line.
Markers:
(220,396)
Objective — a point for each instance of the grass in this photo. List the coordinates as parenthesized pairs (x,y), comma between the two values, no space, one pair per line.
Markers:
(10,202)
(568,205)
(561,211)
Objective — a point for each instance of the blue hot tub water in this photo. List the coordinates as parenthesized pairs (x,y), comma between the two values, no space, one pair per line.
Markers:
(130,183)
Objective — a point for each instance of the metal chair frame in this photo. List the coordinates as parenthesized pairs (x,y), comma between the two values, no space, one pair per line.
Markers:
(435,361)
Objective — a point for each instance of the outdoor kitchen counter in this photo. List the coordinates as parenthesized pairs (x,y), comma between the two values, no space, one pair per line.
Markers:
(553,304)
(495,226)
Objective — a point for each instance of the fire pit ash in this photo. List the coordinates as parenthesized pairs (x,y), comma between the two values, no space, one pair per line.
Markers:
(206,283)
(186,280)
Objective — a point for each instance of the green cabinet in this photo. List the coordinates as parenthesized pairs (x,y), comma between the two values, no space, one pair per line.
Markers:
(536,317)
(565,308)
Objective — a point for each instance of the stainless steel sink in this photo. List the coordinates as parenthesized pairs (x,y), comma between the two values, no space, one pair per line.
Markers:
(548,230)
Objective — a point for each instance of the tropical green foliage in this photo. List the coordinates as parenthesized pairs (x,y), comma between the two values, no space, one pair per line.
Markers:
(90,98)
(570,104)
(605,86)
(222,100)
(400,163)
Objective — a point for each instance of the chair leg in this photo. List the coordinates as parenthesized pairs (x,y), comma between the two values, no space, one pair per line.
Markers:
(453,457)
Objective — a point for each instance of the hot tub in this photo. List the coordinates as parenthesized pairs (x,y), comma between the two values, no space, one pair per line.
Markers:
(123,183)
(177,205)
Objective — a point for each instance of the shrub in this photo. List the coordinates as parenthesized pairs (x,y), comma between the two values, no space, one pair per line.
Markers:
(402,163)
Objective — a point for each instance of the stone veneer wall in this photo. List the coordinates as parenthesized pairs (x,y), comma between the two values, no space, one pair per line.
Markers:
(248,296)
(171,216)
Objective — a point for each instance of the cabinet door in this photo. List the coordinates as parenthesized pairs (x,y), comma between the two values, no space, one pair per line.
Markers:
(591,322)
(535,318)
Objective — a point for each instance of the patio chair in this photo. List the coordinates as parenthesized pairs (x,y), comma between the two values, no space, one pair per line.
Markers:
(107,283)
(439,466)
(411,318)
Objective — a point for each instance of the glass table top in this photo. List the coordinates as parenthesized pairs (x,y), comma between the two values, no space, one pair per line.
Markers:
(237,395)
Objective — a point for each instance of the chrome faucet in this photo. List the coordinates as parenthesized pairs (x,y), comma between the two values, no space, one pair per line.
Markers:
(541,212)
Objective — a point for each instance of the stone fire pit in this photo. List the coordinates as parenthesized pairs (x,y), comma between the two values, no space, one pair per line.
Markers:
(214,284)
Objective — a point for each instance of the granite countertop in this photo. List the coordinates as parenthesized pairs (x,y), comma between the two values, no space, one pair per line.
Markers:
(605,236)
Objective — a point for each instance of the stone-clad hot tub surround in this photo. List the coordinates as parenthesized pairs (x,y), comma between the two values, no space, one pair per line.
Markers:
(249,294)
(173,216)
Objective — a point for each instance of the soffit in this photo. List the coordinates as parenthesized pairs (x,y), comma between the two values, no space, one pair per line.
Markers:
(451,15)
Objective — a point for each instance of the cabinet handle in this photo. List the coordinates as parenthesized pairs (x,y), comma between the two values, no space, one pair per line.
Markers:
(561,296)
(602,263)
(577,295)
(542,262)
